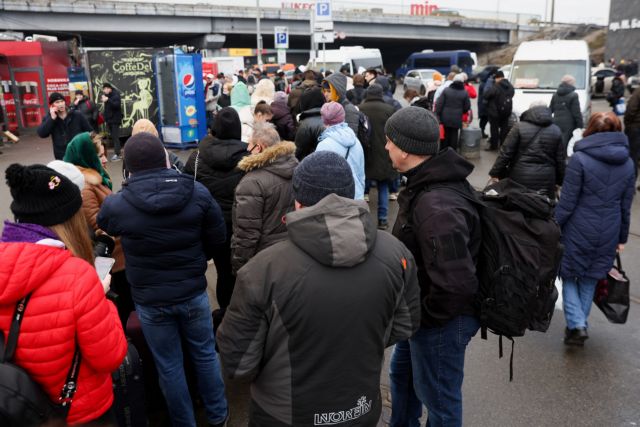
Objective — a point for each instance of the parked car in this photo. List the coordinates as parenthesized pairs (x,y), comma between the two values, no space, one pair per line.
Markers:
(601,79)
(418,80)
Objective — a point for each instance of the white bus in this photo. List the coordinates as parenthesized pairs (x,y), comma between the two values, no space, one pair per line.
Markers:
(355,57)
(538,67)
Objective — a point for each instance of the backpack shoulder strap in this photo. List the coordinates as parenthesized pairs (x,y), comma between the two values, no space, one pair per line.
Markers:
(14,329)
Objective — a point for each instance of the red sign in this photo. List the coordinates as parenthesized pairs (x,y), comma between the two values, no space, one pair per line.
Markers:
(419,9)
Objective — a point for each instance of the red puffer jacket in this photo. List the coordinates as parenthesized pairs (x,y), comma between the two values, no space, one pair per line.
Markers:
(67,303)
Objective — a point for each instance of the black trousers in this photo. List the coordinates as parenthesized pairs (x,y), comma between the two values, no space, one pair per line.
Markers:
(114,131)
(124,302)
(483,123)
(499,130)
(451,138)
(226,279)
(634,146)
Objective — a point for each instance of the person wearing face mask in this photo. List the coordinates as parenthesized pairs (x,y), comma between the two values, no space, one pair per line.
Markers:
(263,196)
(61,124)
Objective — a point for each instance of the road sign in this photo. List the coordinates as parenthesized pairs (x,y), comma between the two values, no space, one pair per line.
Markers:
(281,37)
(282,56)
(322,26)
(323,10)
(326,37)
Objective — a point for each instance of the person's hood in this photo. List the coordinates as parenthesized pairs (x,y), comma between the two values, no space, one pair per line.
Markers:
(457,86)
(310,113)
(540,116)
(384,82)
(158,191)
(220,154)
(565,89)
(339,83)
(312,98)
(336,232)
(265,91)
(279,159)
(507,87)
(240,96)
(446,166)
(227,124)
(340,133)
(27,266)
(608,147)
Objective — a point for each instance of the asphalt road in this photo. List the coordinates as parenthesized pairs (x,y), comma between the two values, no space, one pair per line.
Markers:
(553,385)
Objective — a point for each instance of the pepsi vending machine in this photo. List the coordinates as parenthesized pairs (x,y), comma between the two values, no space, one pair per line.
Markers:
(180,89)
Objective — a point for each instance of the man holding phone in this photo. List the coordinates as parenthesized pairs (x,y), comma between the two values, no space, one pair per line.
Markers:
(61,124)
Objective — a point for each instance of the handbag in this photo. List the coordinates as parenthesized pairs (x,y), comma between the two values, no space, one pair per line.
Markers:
(612,294)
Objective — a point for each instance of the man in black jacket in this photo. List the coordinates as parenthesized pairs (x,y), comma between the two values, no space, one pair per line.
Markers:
(169,227)
(61,124)
(311,316)
(112,116)
(442,230)
(499,105)
(83,105)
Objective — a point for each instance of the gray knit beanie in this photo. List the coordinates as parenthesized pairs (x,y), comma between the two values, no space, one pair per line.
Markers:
(414,130)
(320,174)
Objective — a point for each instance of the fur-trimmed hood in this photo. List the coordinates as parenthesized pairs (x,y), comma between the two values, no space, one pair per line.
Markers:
(91,176)
(280,157)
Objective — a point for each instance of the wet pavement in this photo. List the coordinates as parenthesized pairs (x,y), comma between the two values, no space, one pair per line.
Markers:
(598,385)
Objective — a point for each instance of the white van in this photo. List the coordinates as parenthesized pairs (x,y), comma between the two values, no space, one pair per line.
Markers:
(538,67)
(356,57)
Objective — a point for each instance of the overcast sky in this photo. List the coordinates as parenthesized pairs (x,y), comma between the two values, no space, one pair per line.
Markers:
(575,11)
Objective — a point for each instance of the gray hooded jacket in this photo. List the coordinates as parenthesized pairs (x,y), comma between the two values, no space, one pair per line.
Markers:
(352,115)
(311,316)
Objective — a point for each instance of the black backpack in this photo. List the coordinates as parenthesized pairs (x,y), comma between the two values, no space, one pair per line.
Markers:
(22,401)
(518,262)
(364,130)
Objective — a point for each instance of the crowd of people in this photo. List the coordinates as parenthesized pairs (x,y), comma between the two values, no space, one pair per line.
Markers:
(310,288)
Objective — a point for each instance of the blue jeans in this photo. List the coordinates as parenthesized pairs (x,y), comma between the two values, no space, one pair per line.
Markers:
(406,408)
(383,196)
(164,328)
(437,356)
(577,297)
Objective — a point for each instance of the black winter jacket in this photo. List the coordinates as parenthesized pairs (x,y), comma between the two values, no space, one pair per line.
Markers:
(387,94)
(452,104)
(309,319)
(377,162)
(169,226)
(62,131)
(442,231)
(310,129)
(492,96)
(632,114)
(113,108)
(565,107)
(283,121)
(537,162)
(263,197)
(218,169)
(356,95)
(88,109)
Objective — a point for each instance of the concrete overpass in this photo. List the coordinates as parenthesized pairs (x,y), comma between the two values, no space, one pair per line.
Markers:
(108,23)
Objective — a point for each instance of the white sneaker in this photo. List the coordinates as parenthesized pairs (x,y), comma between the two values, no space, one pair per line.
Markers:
(115,158)
(393,196)
(366,198)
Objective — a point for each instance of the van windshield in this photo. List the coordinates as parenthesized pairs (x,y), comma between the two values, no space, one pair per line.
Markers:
(546,74)
(366,63)
(333,66)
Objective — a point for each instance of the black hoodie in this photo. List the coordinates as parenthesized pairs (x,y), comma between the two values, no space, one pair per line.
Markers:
(442,230)
(533,153)
(565,107)
(218,158)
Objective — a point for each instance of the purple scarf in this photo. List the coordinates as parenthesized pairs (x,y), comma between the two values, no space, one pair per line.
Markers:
(27,233)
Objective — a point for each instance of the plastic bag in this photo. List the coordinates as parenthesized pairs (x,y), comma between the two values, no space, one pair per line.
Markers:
(575,137)
(620,108)
(612,294)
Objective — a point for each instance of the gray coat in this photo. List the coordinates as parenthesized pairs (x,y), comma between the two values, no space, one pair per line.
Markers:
(310,317)
(352,116)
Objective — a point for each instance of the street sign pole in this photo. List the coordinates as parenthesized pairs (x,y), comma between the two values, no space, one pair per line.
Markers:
(324,57)
(258,35)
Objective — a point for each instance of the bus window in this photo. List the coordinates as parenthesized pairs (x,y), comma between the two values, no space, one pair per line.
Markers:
(437,62)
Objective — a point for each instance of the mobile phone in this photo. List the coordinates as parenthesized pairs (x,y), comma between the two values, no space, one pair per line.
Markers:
(103,266)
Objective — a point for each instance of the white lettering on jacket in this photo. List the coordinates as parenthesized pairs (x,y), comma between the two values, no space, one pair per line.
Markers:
(331,418)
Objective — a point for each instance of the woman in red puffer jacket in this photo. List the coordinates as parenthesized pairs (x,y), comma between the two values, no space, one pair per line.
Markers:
(47,254)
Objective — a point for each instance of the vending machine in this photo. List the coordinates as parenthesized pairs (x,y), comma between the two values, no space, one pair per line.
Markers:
(181,105)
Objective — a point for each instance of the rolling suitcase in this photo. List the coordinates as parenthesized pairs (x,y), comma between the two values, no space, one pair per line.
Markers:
(128,391)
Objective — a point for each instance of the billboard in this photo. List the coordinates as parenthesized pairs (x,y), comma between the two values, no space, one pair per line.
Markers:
(131,73)
(623,37)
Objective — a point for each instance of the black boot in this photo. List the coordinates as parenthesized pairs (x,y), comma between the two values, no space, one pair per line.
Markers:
(575,337)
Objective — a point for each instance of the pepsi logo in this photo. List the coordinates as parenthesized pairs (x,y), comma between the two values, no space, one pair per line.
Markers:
(188,80)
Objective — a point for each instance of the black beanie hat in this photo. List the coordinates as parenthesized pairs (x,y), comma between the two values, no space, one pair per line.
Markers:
(311,98)
(55,96)
(144,151)
(227,124)
(320,174)
(41,195)
(414,130)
